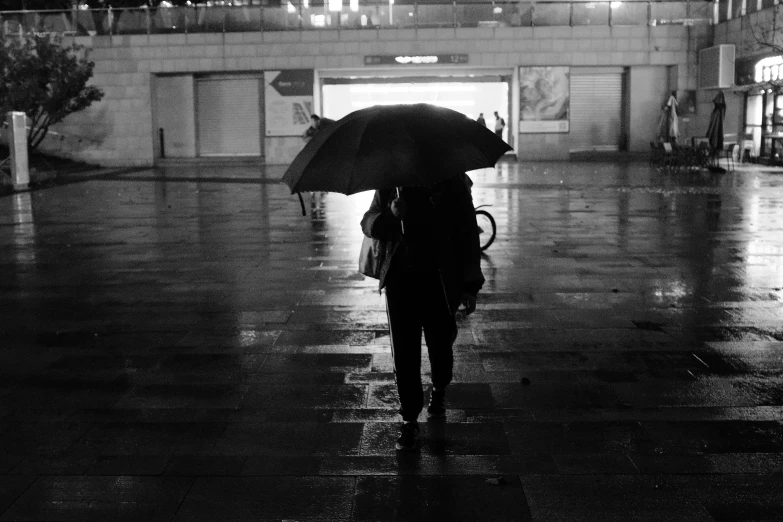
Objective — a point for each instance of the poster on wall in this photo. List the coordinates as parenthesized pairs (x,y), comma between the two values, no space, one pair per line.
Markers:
(543,99)
(288,97)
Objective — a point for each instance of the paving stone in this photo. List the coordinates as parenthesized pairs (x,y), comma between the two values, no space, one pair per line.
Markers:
(749,497)
(11,488)
(260,498)
(594,464)
(579,437)
(275,465)
(99,498)
(305,396)
(150,438)
(297,363)
(189,325)
(447,438)
(439,464)
(290,439)
(40,438)
(203,465)
(600,497)
(449,498)
(127,465)
(714,437)
(184,396)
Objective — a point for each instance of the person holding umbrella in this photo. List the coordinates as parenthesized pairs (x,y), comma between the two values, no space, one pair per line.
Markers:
(434,267)
(420,234)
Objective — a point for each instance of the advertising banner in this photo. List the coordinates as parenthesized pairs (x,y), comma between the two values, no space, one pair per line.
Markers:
(543,99)
(288,97)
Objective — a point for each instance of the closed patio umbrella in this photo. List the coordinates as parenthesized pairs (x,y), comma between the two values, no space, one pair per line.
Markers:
(668,127)
(673,127)
(715,129)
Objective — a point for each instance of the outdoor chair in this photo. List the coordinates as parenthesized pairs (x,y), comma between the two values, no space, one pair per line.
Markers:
(671,157)
(677,157)
(656,153)
(729,152)
(704,155)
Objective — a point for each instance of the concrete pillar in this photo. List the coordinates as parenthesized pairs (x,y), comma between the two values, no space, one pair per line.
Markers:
(17,143)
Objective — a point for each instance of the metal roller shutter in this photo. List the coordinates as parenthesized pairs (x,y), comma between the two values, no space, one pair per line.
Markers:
(228,117)
(596,112)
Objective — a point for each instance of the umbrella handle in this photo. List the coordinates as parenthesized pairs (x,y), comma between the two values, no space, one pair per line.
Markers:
(402,225)
(301,202)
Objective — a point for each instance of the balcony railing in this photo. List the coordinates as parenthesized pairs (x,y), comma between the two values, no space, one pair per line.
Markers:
(303,16)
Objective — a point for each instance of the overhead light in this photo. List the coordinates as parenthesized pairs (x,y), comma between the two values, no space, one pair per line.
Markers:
(497,10)
(354,4)
(291,8)
(615,5)
(439,103)
(335,5)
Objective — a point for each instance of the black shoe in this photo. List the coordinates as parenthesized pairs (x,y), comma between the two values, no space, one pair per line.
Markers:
(437,409)
(409,437)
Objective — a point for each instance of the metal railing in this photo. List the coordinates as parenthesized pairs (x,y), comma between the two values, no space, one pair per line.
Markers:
(300,16)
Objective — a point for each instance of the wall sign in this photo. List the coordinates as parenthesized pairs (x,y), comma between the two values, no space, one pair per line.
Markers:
(288,96)
(415,59)
(544,99)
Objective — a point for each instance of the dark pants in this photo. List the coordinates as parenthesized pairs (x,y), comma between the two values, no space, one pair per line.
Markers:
(415,303)
(499,133)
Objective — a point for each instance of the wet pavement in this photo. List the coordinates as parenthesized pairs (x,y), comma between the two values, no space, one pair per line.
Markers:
(182,344)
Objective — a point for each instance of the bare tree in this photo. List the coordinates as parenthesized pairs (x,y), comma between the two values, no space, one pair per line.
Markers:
(44,79)
(766,26)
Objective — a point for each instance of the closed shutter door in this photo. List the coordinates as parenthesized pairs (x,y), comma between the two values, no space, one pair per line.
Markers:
(596,112)
(228,117)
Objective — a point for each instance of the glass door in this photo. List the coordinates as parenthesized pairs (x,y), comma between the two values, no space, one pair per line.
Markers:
(771,127)
(754,103)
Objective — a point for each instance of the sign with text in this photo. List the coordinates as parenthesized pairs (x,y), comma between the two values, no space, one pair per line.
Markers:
(416,59)
(288,97)
(544,99)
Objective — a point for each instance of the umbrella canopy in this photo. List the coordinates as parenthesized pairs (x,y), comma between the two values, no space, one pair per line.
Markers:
(715,128)
(393,146)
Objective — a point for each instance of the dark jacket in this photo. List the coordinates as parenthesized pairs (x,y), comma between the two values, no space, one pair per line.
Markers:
(456,248)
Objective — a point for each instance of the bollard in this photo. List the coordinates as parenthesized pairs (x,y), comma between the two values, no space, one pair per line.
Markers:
(162,143)
(17,143)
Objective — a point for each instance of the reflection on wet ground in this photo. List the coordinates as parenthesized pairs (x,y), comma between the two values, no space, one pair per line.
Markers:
(183,344)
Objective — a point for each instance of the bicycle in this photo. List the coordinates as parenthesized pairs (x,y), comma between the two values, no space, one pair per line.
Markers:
(486,226)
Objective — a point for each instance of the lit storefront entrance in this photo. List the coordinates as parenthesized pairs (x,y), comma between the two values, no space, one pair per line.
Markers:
(763,114)
(471,92)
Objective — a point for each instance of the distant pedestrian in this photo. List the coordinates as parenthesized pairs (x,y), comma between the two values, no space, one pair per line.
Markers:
(481,119)
(500,124)
(317,125)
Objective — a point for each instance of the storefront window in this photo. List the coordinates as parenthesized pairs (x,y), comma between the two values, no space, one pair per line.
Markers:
(723,10)
(752,140)
(764,121)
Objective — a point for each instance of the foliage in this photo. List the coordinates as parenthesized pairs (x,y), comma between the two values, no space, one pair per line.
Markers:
(768,29)
(44,79)
(40,5)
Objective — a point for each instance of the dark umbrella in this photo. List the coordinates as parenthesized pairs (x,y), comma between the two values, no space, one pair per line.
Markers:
(715,129)
(393,146)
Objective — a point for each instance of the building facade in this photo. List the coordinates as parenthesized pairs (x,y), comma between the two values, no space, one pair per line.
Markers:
(561,89)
